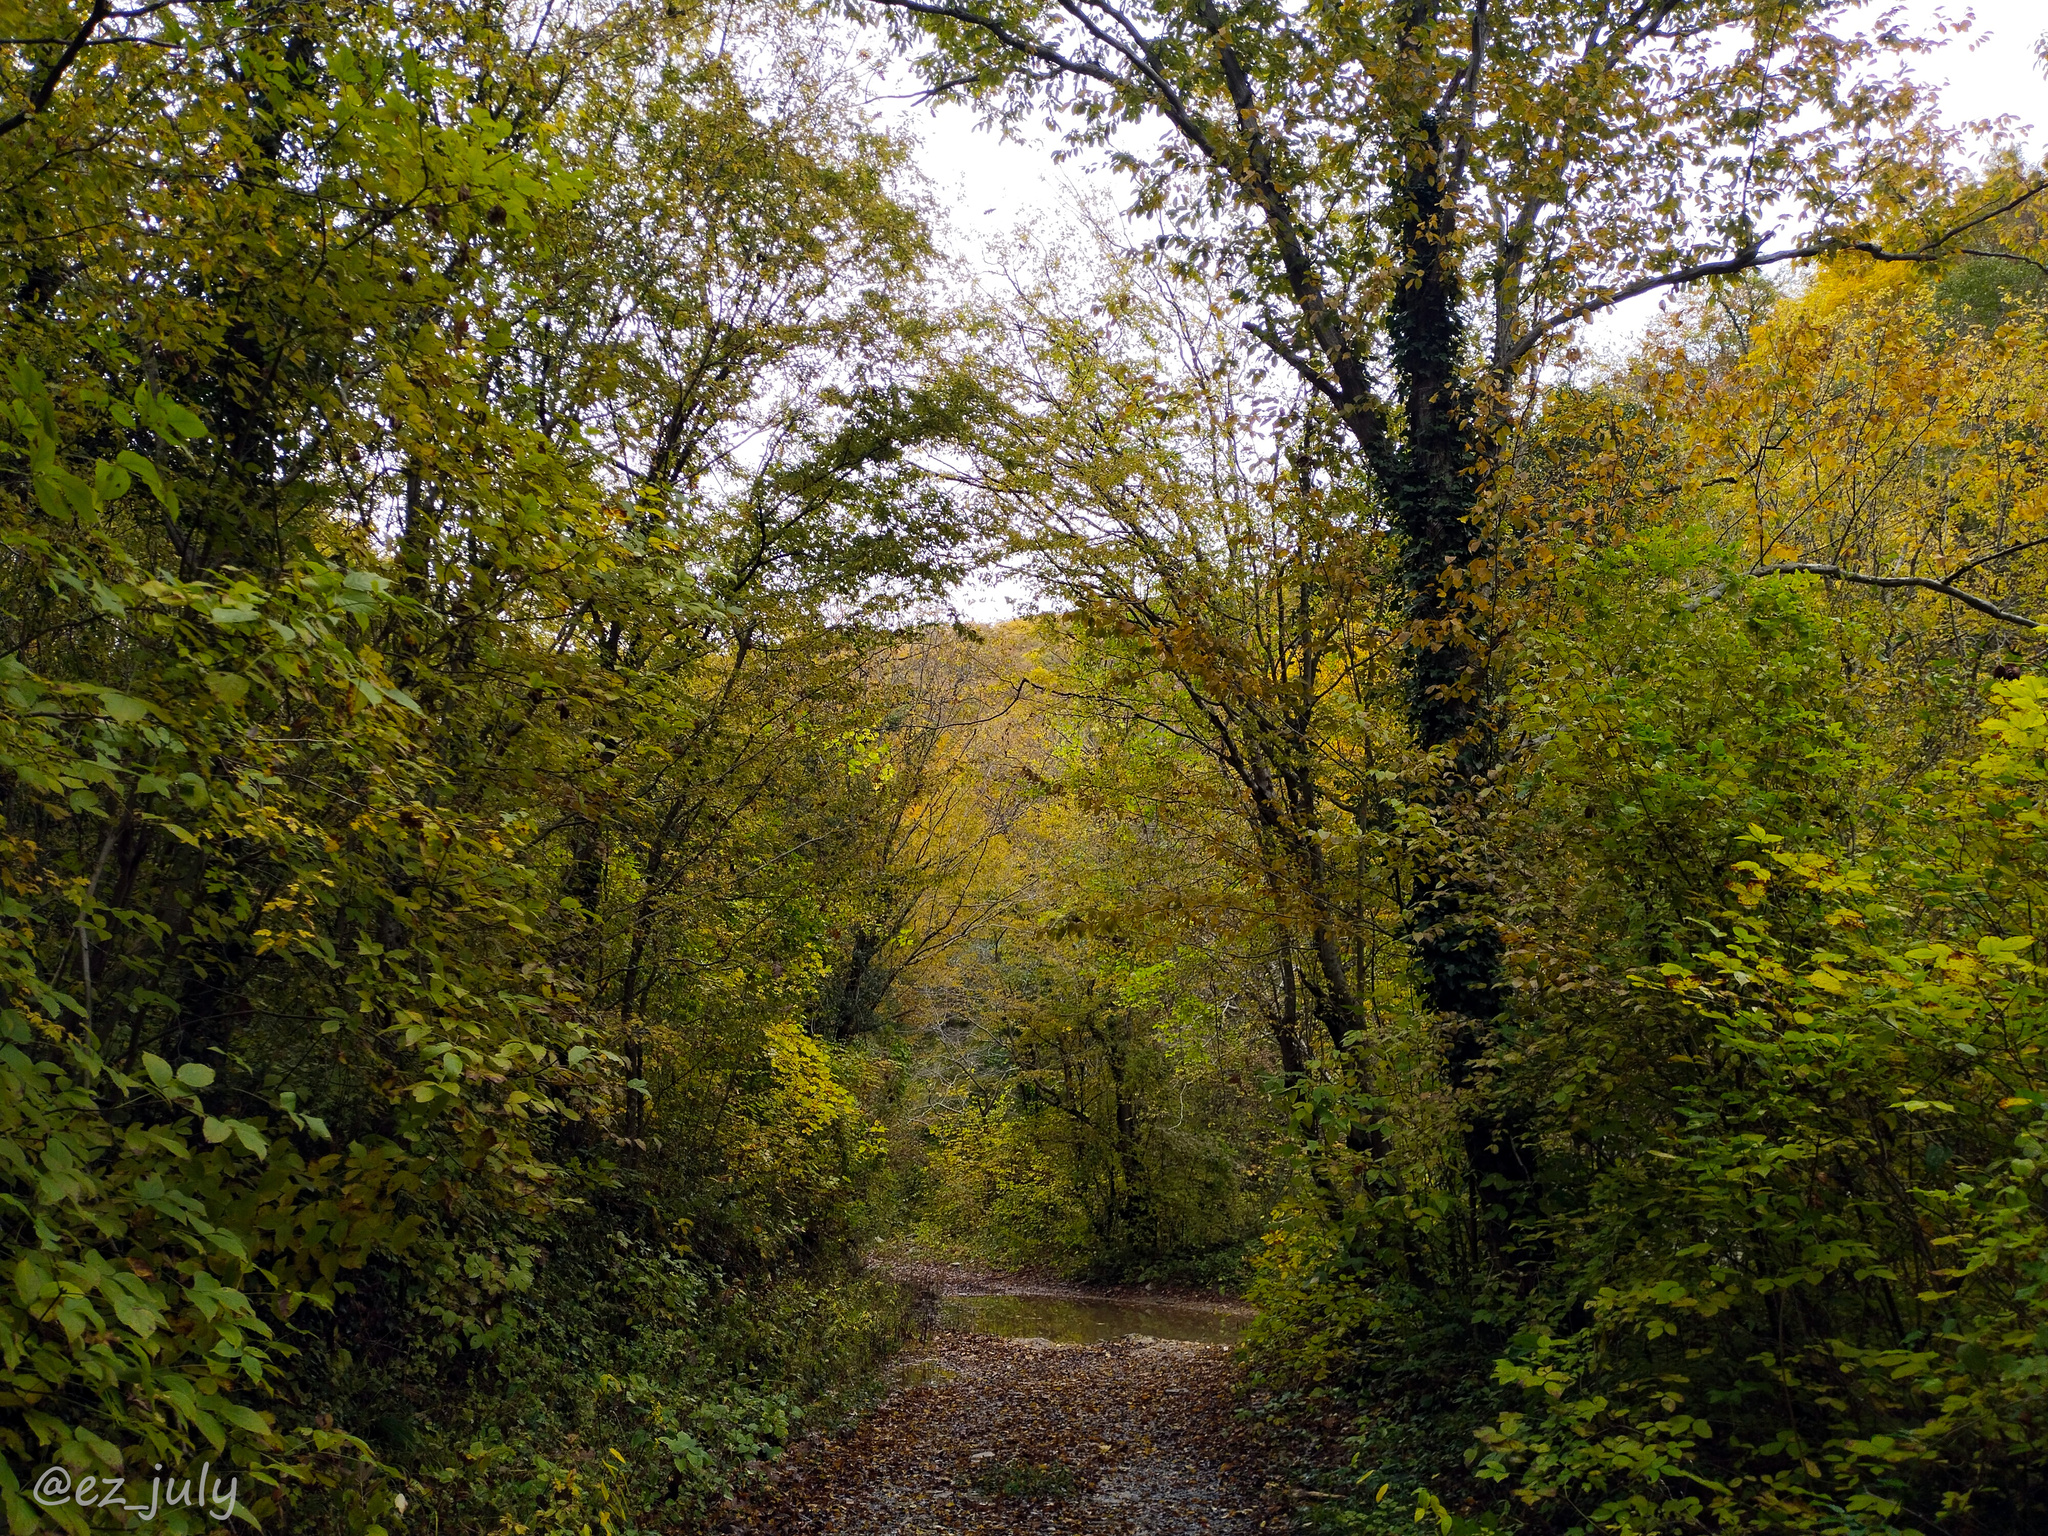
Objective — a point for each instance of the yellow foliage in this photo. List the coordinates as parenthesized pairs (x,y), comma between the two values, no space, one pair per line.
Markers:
(808,1099)
(1871,427)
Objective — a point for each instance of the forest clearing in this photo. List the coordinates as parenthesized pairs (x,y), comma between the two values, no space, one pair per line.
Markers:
(676,857)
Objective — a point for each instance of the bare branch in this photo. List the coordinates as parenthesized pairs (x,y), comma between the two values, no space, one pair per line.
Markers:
(1989,214)
(39,98)
(1754,258)
(1296,361)
(930,92)
(1997,554)
(1923,583)
(2025,261)
(1466,84)
(1016,42)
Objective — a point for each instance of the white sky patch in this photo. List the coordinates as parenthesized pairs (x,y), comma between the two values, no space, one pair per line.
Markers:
(1987,73)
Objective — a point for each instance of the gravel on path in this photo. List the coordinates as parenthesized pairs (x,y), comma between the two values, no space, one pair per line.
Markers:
(986,1436)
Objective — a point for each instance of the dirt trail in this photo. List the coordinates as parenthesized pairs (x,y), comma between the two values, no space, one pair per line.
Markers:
(1135,1437)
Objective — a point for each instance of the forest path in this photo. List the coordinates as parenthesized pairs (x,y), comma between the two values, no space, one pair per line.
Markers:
(987,1436)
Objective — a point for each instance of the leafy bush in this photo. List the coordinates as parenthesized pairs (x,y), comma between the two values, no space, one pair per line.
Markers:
(1813,1287)
(1774,1063)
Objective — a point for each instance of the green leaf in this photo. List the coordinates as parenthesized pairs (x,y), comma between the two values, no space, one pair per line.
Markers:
(196,1074)
(145,471)
(123,708)
(21,1520)
(216,1131)
(110,482)
(29,1280)
(229,687)
(137,1315)
(244,1418)
(182,421)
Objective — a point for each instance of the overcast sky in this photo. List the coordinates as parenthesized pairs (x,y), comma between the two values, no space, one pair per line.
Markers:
(989,186)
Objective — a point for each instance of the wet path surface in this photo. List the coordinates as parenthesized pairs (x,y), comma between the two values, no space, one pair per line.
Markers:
(1086,1321)
(998,1432)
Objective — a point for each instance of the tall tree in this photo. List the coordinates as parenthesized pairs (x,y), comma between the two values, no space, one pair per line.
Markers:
(1196,521)
(1422,195)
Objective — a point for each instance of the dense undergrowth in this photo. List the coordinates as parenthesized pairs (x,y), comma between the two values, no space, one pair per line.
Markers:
(1769,1252)
(440,748)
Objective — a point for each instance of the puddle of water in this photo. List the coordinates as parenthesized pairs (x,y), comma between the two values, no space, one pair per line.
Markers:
(923,1373)
(1066,1321)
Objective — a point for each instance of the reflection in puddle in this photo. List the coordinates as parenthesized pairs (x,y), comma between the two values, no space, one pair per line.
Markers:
(1088,1322)
(923,1373)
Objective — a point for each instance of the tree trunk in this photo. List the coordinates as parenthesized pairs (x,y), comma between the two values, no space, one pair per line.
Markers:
(1432,493)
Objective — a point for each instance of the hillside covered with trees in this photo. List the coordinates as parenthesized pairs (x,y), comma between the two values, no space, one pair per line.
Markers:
(516,876)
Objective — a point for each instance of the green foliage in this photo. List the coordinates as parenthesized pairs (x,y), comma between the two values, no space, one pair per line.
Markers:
(1984,290)
(1776,1041)
(424,749)
(1811,1276)
(182,1199)
(638,1380)
(1099,1132)
(1677,725)
(1090,1098)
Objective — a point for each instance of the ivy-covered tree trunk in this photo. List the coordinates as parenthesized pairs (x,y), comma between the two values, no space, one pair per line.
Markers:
(1431,488)
(1432,492)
